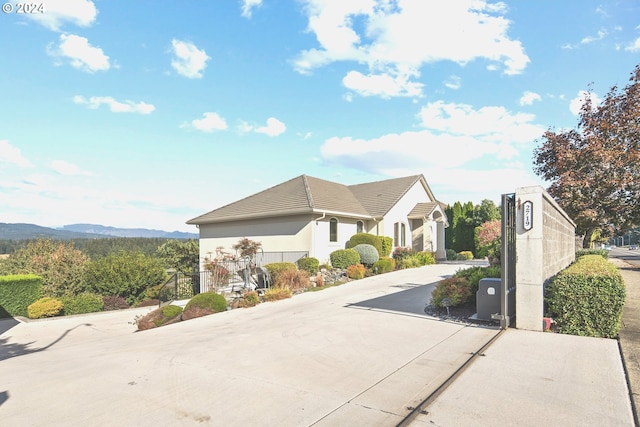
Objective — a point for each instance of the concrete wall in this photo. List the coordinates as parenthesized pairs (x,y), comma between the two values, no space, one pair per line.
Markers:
(548,247)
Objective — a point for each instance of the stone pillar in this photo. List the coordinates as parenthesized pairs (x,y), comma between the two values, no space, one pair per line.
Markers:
(441,253)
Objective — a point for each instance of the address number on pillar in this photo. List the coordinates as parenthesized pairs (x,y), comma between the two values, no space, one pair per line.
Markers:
(527,217)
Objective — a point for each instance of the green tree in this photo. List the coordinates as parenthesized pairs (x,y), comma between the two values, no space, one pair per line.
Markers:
(59,264)
(125,274)
(484,212)
(594,170)
(180,255)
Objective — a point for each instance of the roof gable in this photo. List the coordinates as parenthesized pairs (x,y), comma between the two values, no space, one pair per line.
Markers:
(305,194)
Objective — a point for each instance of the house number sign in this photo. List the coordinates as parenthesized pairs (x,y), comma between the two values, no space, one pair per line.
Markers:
(527,209)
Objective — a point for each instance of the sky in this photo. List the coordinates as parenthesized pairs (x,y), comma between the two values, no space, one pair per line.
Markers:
(149,113)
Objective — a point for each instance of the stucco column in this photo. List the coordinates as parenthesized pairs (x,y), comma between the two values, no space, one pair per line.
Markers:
(441,253)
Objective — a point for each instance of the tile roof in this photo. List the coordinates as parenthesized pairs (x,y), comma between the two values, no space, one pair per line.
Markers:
(306,194)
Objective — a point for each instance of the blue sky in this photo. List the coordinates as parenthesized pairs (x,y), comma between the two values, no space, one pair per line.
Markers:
(149,113)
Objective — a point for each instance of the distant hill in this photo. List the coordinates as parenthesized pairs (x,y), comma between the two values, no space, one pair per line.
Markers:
(82,231)
(128,232)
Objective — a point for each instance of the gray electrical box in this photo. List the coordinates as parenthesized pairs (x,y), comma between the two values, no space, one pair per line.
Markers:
(488,298)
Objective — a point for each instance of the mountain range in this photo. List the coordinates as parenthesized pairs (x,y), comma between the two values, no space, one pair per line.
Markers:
(83,231)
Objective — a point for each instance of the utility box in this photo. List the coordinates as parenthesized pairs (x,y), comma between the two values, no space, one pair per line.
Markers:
(488,298)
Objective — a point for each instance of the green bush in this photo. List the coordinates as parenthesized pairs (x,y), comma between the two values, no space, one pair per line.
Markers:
(356,271)
(464,256)
(343,258)
(456,289)
(411,261)
(368,254)
(368,239)
(587,298)
(387,246)
(474,274)
(451,255)
(17,292)
(125,274)
(45,307)
(602,252)
(275,268)
(425,258)
(309,264)
(208,300)
(159,317)
(384,265)
(82,303)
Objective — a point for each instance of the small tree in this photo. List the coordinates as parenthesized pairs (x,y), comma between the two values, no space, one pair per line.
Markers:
(180,255)
(247,247)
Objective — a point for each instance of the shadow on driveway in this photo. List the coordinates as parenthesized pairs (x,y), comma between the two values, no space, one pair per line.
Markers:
(9,350)
(412,300)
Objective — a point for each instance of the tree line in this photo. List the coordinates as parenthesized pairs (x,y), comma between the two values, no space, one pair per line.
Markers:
(464,222)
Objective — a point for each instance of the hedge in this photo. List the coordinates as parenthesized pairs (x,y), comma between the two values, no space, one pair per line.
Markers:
(366,238)
(587,298)
(17,292)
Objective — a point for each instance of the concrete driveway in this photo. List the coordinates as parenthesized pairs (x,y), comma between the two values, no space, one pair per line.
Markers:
(358,354)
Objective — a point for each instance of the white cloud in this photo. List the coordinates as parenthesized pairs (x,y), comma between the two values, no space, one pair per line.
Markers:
(66,168)
(575,105)
(492,124)
(453,82)
(633,46)
(274,127)
(58,12)
(384,85)
(12,155)
(248,6)
(208,123)
(80,53)
(391,39)
(528,98)
(127,106)
(590,39)
(189,61)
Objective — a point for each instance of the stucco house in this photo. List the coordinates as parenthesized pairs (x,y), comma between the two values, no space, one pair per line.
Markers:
(307,216)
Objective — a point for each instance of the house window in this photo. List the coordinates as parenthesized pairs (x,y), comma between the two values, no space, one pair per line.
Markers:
(359,227)
(399,234)
(333,230)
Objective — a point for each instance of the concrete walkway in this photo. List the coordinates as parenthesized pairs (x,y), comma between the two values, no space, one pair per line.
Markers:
(361,354)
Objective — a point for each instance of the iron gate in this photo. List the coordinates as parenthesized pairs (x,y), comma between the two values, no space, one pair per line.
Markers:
(508,260)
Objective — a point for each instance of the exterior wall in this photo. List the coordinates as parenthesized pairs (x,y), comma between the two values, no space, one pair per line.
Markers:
(416,194)
(541,253)
(322,247)
(286,233)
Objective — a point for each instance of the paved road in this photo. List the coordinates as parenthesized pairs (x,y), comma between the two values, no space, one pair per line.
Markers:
(357,354)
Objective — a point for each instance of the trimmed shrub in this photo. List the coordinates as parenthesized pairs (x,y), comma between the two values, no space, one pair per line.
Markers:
(366,239)
(425,258)
(602,252)
(293,279)
(587,298)
(204,304)
(387,246)
(45,307)
(275,268)
(17,292)
(456,289)
(160,317)
(343,258)
(277,293)
(309,264)
(114,303)
(464,256)
(384,265)
(356,271)
(82,303)
(368,254)
(474,274)
(451,255)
